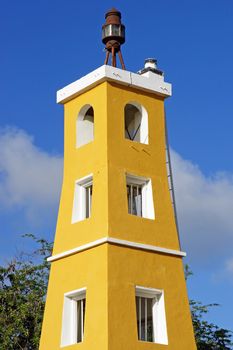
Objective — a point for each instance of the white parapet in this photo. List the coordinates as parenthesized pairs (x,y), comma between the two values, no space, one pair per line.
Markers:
(149,81)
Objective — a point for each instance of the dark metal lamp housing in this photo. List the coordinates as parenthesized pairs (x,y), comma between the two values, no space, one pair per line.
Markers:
(113,36)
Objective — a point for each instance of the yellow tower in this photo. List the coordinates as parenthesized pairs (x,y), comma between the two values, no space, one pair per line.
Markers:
(116,279)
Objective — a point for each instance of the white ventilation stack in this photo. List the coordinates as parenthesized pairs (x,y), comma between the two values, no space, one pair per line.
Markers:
(151,63)
(150,66)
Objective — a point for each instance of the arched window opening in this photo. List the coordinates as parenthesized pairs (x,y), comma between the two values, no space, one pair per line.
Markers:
(85,126)
(136,123)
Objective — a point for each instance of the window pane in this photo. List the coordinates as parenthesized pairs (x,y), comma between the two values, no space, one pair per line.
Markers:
(129,198)
(134,196)
(88,200)
(84,309)
(80,319)
(138,200)
(139,318)
(143,335)
(79,331)
(149,320)
(140,305)
(134,202)
(144,318)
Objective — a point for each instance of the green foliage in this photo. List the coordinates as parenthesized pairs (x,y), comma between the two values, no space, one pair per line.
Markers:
(23,285)
(208,336)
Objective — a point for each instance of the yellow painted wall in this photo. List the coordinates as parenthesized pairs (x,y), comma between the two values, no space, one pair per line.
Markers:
(110,272)
(87,269)
(109,157)
(139,159)
(130,267)
(79,162)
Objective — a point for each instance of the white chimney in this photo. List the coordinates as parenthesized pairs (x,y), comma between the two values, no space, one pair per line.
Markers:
(150,66)
(151,63)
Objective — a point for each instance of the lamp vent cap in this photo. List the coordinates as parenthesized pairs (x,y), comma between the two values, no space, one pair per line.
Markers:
(150,66)
(150,62)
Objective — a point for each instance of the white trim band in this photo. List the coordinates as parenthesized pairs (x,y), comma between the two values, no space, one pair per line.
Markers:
(119,242)
(149,81)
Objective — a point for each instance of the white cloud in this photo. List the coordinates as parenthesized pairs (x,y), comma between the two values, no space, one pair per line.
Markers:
(229,266)
(224,271)
(29,177)
(205,210)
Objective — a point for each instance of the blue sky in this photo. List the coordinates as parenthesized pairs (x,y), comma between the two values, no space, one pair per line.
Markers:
(47,44)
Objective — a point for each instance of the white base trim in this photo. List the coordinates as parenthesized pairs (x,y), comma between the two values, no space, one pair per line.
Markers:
(119,242)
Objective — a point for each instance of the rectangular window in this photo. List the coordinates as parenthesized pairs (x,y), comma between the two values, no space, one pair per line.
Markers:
(151,320)
(73,317)
(82,199)
(134,194)
(139,196)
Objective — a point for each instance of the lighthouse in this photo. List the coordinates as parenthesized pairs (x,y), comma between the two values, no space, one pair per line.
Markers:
(116,279)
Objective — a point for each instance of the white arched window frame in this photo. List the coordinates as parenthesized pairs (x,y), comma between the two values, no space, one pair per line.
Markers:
(85,126)
(136,122)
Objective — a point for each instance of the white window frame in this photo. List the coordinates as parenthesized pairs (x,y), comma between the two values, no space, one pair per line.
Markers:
(158,313)
(147,195)
(79,211)
(144,135)
(70,317)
